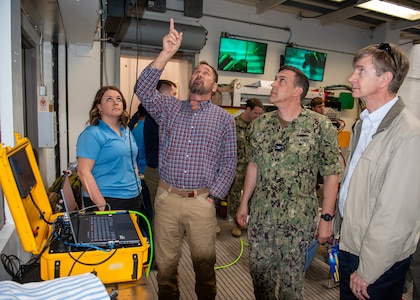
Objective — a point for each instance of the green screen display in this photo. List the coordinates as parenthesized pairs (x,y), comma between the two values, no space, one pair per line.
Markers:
(312,63)
(241,56)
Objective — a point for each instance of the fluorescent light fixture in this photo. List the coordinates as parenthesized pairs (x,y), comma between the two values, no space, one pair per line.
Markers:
(391,9)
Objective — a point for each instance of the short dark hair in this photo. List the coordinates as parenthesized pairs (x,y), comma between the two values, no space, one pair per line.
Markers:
(164,85)
(253,102)
(141,110)
(301,80)
(316,101)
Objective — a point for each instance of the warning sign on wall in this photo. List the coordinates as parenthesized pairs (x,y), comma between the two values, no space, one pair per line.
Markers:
(42,104)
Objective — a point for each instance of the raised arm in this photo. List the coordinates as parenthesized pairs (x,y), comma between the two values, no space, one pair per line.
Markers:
(170,45)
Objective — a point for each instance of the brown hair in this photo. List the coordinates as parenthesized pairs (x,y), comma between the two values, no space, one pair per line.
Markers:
(94,114)
(254,102)
(386,58)
(316,101)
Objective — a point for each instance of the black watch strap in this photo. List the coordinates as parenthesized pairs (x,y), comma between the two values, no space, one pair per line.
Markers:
(327,217)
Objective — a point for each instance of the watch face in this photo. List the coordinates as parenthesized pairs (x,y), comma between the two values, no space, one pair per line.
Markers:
(327,217)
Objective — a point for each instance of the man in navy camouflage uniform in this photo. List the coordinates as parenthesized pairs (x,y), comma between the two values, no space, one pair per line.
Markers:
(287,149)
(253,109)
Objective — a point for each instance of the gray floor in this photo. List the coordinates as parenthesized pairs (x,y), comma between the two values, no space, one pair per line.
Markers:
(233,279)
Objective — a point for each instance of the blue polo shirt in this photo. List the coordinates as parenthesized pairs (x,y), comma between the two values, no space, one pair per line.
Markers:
(115,159)
(137,132)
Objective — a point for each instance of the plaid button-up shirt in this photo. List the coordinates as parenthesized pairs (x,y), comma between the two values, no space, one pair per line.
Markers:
(197,148)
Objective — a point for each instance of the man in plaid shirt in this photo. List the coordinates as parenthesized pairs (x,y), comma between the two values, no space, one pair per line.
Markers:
(197,164)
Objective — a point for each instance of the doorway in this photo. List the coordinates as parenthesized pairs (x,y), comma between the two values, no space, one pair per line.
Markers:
(177,70)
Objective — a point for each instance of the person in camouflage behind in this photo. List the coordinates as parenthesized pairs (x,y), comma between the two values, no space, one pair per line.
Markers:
(287,149)
(253,109)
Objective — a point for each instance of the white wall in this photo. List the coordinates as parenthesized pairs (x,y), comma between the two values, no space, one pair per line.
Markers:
(410,89)
(84,80)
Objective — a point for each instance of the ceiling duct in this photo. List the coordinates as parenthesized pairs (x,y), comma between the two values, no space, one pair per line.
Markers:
(150,33)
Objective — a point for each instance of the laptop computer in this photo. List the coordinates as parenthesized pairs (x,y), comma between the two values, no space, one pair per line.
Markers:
(115,229)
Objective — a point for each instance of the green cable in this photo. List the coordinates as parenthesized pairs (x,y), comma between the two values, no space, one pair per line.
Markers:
(150,240)
(243,243)
(148,226)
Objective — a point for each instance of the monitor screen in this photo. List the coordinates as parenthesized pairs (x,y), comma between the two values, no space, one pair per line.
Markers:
(22,171)
(312,63)
(241,56)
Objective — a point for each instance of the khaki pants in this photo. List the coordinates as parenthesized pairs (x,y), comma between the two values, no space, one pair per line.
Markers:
(195,217)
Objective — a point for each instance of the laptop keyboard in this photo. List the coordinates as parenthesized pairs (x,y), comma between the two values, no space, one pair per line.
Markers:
(102,229)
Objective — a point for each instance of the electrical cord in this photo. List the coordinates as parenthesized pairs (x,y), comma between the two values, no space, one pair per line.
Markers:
(14,267)
(149,227)
(243,243)
(77,260)
(108,207)
(39,210)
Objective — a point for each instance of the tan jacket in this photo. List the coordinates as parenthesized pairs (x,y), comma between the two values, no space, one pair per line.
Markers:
(381,222)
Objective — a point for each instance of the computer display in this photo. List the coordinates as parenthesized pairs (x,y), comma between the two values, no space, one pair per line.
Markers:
(22,172)
(243,56)
(312,63)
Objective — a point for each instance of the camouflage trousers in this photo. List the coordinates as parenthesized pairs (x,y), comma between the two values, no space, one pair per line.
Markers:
(235,193)
(277,259)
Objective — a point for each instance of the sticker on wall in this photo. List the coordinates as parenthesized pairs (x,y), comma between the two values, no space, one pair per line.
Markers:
(42,104)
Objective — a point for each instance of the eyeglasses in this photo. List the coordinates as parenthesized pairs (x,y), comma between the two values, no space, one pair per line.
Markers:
(388,49)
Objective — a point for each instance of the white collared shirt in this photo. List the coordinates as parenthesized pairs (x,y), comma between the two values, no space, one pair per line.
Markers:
(370,125)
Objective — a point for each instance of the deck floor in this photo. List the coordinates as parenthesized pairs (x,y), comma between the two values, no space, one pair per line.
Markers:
(233,279)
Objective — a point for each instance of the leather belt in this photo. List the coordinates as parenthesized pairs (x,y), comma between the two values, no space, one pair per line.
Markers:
(188,193)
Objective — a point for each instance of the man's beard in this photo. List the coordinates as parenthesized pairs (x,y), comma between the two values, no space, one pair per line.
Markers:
(198,88)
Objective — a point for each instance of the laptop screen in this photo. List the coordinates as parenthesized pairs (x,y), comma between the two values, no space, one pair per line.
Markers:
(69,204)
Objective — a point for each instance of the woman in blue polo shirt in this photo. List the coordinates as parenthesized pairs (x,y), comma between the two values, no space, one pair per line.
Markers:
(106,155)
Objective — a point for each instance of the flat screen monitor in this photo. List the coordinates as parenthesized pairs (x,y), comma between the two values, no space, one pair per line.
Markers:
(22,172)
(312,63)
(241,55)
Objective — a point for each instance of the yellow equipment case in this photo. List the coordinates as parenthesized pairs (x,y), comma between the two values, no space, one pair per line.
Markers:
(33,217)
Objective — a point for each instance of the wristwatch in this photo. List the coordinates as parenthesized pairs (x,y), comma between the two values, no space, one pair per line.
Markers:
(327,217)
(215,199)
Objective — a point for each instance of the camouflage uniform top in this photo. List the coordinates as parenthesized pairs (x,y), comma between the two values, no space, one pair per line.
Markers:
(242,138)
(288,161)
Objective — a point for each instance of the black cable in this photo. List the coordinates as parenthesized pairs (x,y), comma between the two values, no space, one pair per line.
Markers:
(41,214)
(12,265)
(142,205)
(77,260)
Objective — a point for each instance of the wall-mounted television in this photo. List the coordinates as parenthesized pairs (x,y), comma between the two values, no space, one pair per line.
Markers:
(243,56)
(311,62)
(23,173)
